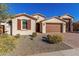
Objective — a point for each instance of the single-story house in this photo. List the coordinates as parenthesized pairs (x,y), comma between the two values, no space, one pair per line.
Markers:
(25,24)
(22,24)
(69,22)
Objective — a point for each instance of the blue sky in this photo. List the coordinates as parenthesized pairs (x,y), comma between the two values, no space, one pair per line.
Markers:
(48,9)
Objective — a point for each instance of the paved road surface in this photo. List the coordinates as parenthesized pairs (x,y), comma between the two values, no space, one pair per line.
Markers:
(70,52)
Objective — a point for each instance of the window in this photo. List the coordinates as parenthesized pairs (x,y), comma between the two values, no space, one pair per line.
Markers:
(23,24)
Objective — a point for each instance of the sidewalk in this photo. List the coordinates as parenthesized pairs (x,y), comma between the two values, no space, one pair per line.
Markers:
(70,52)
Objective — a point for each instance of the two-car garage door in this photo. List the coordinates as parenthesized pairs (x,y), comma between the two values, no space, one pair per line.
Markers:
(53,27)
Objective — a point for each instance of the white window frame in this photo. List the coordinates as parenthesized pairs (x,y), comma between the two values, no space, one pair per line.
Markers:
(22,25)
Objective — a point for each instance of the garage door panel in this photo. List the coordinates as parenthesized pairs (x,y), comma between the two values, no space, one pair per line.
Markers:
(53,27)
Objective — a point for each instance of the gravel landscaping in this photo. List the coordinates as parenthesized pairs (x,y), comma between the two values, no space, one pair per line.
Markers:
(26,46)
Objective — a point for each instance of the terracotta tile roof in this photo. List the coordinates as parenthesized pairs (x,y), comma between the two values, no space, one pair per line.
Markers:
(69,15)
(58,17)
(23,14)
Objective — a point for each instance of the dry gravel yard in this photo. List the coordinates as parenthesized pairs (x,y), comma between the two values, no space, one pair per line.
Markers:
(26,46)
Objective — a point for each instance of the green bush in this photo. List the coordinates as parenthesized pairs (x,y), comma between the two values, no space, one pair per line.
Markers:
(7,43)
(17,36)
(34,34)
(55,38)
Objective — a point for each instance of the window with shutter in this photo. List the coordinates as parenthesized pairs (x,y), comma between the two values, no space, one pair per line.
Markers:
(24,24)
(29,24)
(18,24)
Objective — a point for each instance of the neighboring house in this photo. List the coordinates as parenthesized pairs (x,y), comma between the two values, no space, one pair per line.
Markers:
(76,26)
(4,27)
(24,24)
(69,22)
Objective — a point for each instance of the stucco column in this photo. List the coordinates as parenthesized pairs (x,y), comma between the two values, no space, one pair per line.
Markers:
(71,25)
(64,28)
(43,27)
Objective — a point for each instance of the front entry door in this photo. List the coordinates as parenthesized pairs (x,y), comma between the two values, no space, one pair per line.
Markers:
(37,27)
(1,29)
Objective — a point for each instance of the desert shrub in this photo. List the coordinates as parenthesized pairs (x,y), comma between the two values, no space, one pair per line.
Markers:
(56,38)
(34,34)
(7,43)
(17,36)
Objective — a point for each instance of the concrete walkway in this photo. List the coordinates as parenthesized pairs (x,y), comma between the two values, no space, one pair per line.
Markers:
(70,52)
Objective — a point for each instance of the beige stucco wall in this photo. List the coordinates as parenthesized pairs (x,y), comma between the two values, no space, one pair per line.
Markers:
(53,20)
(71,23)
(23,32)
(39,18)
(66,16)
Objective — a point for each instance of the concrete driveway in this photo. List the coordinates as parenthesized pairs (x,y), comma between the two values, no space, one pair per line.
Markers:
(72,39)
(25,46)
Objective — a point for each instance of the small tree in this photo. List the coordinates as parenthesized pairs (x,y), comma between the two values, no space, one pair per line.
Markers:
(3,12)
